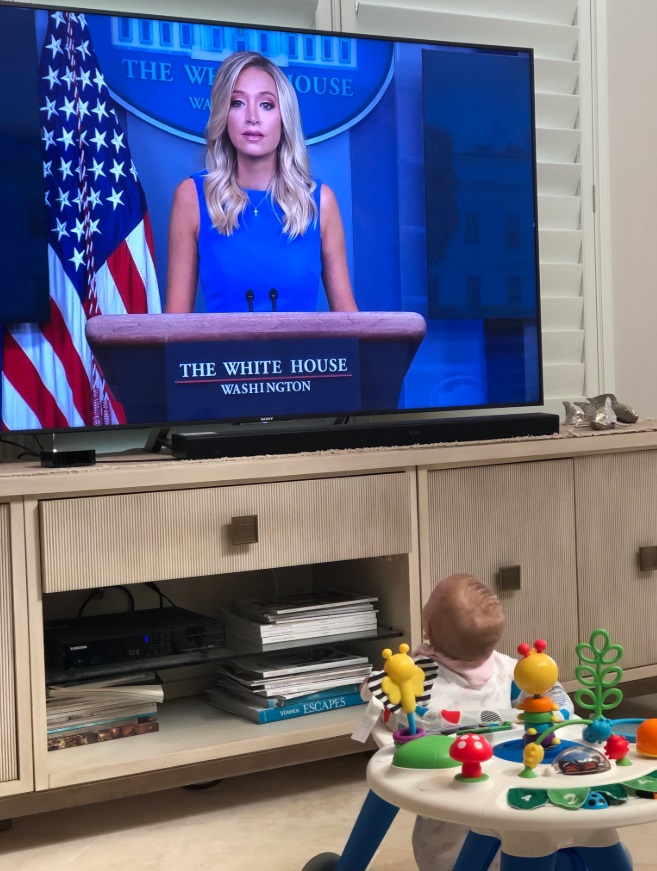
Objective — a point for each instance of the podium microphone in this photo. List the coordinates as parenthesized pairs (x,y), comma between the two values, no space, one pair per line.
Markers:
(249,296)
(273,296)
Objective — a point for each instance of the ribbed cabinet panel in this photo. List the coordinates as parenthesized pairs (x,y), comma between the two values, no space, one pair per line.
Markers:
(8,736)
(484,518)
(132,538)
(616,515)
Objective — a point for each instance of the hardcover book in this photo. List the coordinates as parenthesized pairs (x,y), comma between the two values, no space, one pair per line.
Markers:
(292,690)
(143,680)
(96,736)
(94,713)
(297,616)
(300,683)
(313,601)
(277,701)
(234,705)
(153,692)
(91,724)
(299,630)
(285,663)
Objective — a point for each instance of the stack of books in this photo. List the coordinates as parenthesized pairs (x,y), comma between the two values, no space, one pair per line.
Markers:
(280,686)
(302,616)
(88,712)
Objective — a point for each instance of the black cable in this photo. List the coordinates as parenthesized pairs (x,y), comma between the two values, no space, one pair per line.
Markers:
(101,591)
(24,448)
(128,594)
(153,586)
(36,439)
(92,595)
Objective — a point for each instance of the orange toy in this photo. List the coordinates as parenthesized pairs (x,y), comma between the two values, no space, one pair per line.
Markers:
(646,738)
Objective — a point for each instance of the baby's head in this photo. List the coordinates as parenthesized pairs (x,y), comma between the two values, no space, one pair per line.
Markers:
(463,619)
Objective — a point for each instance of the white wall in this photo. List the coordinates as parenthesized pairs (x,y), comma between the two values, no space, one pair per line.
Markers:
(632,76)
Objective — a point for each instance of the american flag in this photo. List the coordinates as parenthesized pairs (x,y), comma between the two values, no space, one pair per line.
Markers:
(100,251)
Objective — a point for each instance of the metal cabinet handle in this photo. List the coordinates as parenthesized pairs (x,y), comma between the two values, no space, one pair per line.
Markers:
(508,578)
(244,530)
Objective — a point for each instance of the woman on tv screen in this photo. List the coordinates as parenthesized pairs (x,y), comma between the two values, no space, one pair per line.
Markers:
(255,226)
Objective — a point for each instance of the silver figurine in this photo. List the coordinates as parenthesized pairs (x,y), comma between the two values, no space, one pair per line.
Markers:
(605,417)
(574,414)
(623,412)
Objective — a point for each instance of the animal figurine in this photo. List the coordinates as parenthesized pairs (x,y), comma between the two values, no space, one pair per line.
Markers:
(536,673)
(403,683)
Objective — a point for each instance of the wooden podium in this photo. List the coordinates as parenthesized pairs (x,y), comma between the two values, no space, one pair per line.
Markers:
(131,350)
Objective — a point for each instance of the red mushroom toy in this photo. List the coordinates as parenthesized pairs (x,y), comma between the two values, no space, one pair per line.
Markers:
(471,751)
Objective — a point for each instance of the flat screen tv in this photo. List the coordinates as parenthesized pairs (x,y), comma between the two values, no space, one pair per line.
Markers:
(362,238)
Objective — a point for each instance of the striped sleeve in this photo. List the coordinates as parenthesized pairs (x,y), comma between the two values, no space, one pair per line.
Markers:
(430,669)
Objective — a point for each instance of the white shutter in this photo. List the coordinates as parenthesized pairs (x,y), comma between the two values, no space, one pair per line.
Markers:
(558,31)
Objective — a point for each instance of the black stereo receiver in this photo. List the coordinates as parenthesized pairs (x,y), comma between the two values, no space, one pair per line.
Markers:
(108,639)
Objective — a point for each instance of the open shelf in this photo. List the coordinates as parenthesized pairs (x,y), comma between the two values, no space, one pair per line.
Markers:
(242,649)
(191,731)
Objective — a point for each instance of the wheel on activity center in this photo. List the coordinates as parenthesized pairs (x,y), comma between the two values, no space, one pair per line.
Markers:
(322,862)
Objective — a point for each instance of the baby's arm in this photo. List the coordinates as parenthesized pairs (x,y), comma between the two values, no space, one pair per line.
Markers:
(562,700)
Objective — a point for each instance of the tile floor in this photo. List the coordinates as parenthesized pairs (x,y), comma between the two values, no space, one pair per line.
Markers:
(272,821)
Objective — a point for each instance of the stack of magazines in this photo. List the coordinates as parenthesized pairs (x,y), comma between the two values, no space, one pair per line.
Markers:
(88,712)
(302,616)
(280,686)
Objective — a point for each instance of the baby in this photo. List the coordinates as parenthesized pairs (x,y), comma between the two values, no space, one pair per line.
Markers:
(462,622)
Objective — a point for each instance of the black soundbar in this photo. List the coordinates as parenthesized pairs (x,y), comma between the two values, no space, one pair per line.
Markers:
(250,443)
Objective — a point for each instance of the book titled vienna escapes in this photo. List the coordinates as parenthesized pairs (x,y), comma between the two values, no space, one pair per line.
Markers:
(295,683)
(234,705)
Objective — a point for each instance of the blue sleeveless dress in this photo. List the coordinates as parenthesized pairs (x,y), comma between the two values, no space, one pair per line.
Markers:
(242,272)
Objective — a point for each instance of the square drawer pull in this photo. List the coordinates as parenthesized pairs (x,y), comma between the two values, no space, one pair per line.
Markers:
(648,559)
(244,530)
(508,578)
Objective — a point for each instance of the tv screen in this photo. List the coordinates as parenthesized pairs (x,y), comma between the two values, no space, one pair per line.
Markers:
(209,222)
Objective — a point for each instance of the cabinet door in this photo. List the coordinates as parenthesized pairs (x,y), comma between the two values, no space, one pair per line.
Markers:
(482,519)
(15,716)
(616,509)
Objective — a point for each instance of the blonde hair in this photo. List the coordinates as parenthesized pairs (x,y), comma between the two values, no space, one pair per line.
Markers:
(292,186)
(463,619)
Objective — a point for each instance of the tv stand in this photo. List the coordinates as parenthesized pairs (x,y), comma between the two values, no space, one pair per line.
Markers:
(387,523)
(210,445)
